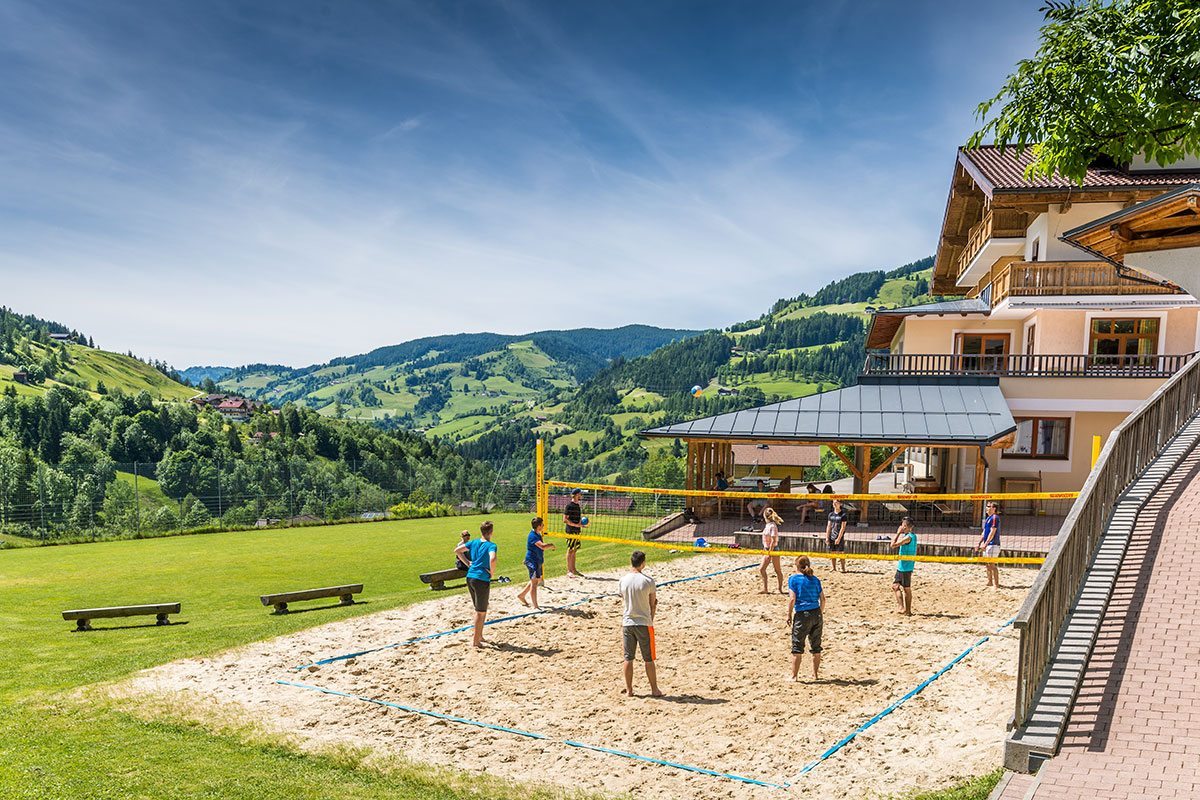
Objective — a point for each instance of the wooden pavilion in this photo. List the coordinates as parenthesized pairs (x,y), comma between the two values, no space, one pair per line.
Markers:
(895,412)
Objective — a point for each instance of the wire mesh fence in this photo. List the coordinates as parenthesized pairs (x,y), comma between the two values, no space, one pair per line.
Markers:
(951,524)
(123,500)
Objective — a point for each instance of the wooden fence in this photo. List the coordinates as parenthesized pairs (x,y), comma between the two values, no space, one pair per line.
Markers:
(1133,445)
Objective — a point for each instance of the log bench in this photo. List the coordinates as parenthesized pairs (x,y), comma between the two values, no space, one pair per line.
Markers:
(280,601)
(83,616)
(437,580)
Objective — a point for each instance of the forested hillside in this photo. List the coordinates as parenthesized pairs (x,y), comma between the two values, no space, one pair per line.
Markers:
(73,465)
(804,344)
(453,386)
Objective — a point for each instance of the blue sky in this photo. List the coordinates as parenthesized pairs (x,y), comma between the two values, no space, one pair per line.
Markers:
(286,182)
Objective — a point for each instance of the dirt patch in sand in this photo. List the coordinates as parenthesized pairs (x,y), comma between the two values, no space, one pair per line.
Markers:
(724,654)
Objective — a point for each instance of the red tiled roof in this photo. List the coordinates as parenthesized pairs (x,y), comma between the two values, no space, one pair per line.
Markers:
(776,455)
(1002,171)
(622,503)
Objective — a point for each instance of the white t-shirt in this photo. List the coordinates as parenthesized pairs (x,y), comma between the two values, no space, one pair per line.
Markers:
(770,536)
(636,589)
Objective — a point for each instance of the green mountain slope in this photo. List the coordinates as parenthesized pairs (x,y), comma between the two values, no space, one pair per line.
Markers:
(37,348)
(803,345)
(453,386)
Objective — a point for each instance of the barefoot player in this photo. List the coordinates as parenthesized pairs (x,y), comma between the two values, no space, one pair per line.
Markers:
(573,523)
(905,543)
(835,535)
(535,558)
(481,553)
(770,543)
(637,624)
(989,542)
(806,610)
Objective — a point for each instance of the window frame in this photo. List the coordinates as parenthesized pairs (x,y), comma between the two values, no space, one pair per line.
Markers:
(1037,421)
(1123,359)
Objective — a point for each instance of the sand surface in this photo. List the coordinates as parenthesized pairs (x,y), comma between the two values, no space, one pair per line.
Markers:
(724,655)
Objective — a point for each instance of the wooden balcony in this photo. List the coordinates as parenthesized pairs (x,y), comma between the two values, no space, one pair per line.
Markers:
(1057,278)
(1000,223)
(1067,365)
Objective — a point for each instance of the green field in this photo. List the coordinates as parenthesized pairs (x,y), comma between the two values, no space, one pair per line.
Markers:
(781,387)
(60,740)
(859,309)
(90,366)
(58,743)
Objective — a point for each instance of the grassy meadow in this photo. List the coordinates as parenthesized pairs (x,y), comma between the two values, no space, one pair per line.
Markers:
(60,741)
(56,742)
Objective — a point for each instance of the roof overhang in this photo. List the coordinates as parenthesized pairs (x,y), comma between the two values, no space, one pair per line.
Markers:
(1168,222)
(960,411)
(885,324)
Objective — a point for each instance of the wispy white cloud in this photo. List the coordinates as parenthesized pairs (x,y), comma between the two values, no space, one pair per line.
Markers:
(292,187)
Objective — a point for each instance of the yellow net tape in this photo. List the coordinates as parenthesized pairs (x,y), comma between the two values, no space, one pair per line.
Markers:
(926,498)
(735,551)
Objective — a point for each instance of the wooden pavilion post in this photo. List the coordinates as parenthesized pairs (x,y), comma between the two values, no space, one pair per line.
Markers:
(980,486)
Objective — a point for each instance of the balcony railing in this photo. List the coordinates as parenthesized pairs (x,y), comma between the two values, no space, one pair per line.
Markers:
(1054,278)
(1026,366)
(1000,223)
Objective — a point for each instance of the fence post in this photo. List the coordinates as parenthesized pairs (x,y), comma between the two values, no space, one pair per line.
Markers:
(137,502)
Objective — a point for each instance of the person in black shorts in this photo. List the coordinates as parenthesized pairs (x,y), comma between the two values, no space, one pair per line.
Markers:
(835,534)
(806,609)
(573,523)
(481,553)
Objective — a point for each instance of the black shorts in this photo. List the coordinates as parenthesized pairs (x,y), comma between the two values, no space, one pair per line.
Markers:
(837,547)
(480,592)
(806,625)
(903,578)
(573,543)
(535,570)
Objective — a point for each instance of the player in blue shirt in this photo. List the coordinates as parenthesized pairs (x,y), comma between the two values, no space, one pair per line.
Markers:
(905,542)
(481,554)
(806,607)
(989,541)
(535,558)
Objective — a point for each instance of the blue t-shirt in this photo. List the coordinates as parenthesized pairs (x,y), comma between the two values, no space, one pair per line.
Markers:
(991,530)
(909,549)
(808,591)
(533,553)
(479,551)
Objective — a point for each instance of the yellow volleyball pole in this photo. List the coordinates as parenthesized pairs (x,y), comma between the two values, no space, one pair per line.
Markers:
(543,498)
(1095,450)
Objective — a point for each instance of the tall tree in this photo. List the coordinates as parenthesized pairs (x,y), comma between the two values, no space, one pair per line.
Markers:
(1116,78)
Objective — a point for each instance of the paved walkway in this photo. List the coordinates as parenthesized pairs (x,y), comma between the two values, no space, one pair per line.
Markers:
(1134,731)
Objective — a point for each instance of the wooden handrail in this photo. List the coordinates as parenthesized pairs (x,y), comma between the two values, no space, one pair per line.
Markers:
(1041,278)
(1017,365)
(1130,448)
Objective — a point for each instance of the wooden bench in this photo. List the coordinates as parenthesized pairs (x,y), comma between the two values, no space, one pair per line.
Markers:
(437,580)
(280,601)
(83,616)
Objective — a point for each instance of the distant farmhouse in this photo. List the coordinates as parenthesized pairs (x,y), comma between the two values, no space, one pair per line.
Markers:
(232,407)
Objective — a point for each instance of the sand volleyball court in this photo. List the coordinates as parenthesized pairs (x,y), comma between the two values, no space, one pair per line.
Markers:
(723,662)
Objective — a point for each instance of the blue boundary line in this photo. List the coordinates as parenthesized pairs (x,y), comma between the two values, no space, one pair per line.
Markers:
(911,694)
(498,620)
(531,735)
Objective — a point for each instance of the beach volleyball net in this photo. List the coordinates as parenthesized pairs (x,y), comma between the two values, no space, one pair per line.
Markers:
(948,526)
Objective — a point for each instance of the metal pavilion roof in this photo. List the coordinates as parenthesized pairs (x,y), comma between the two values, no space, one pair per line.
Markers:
(963,411)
